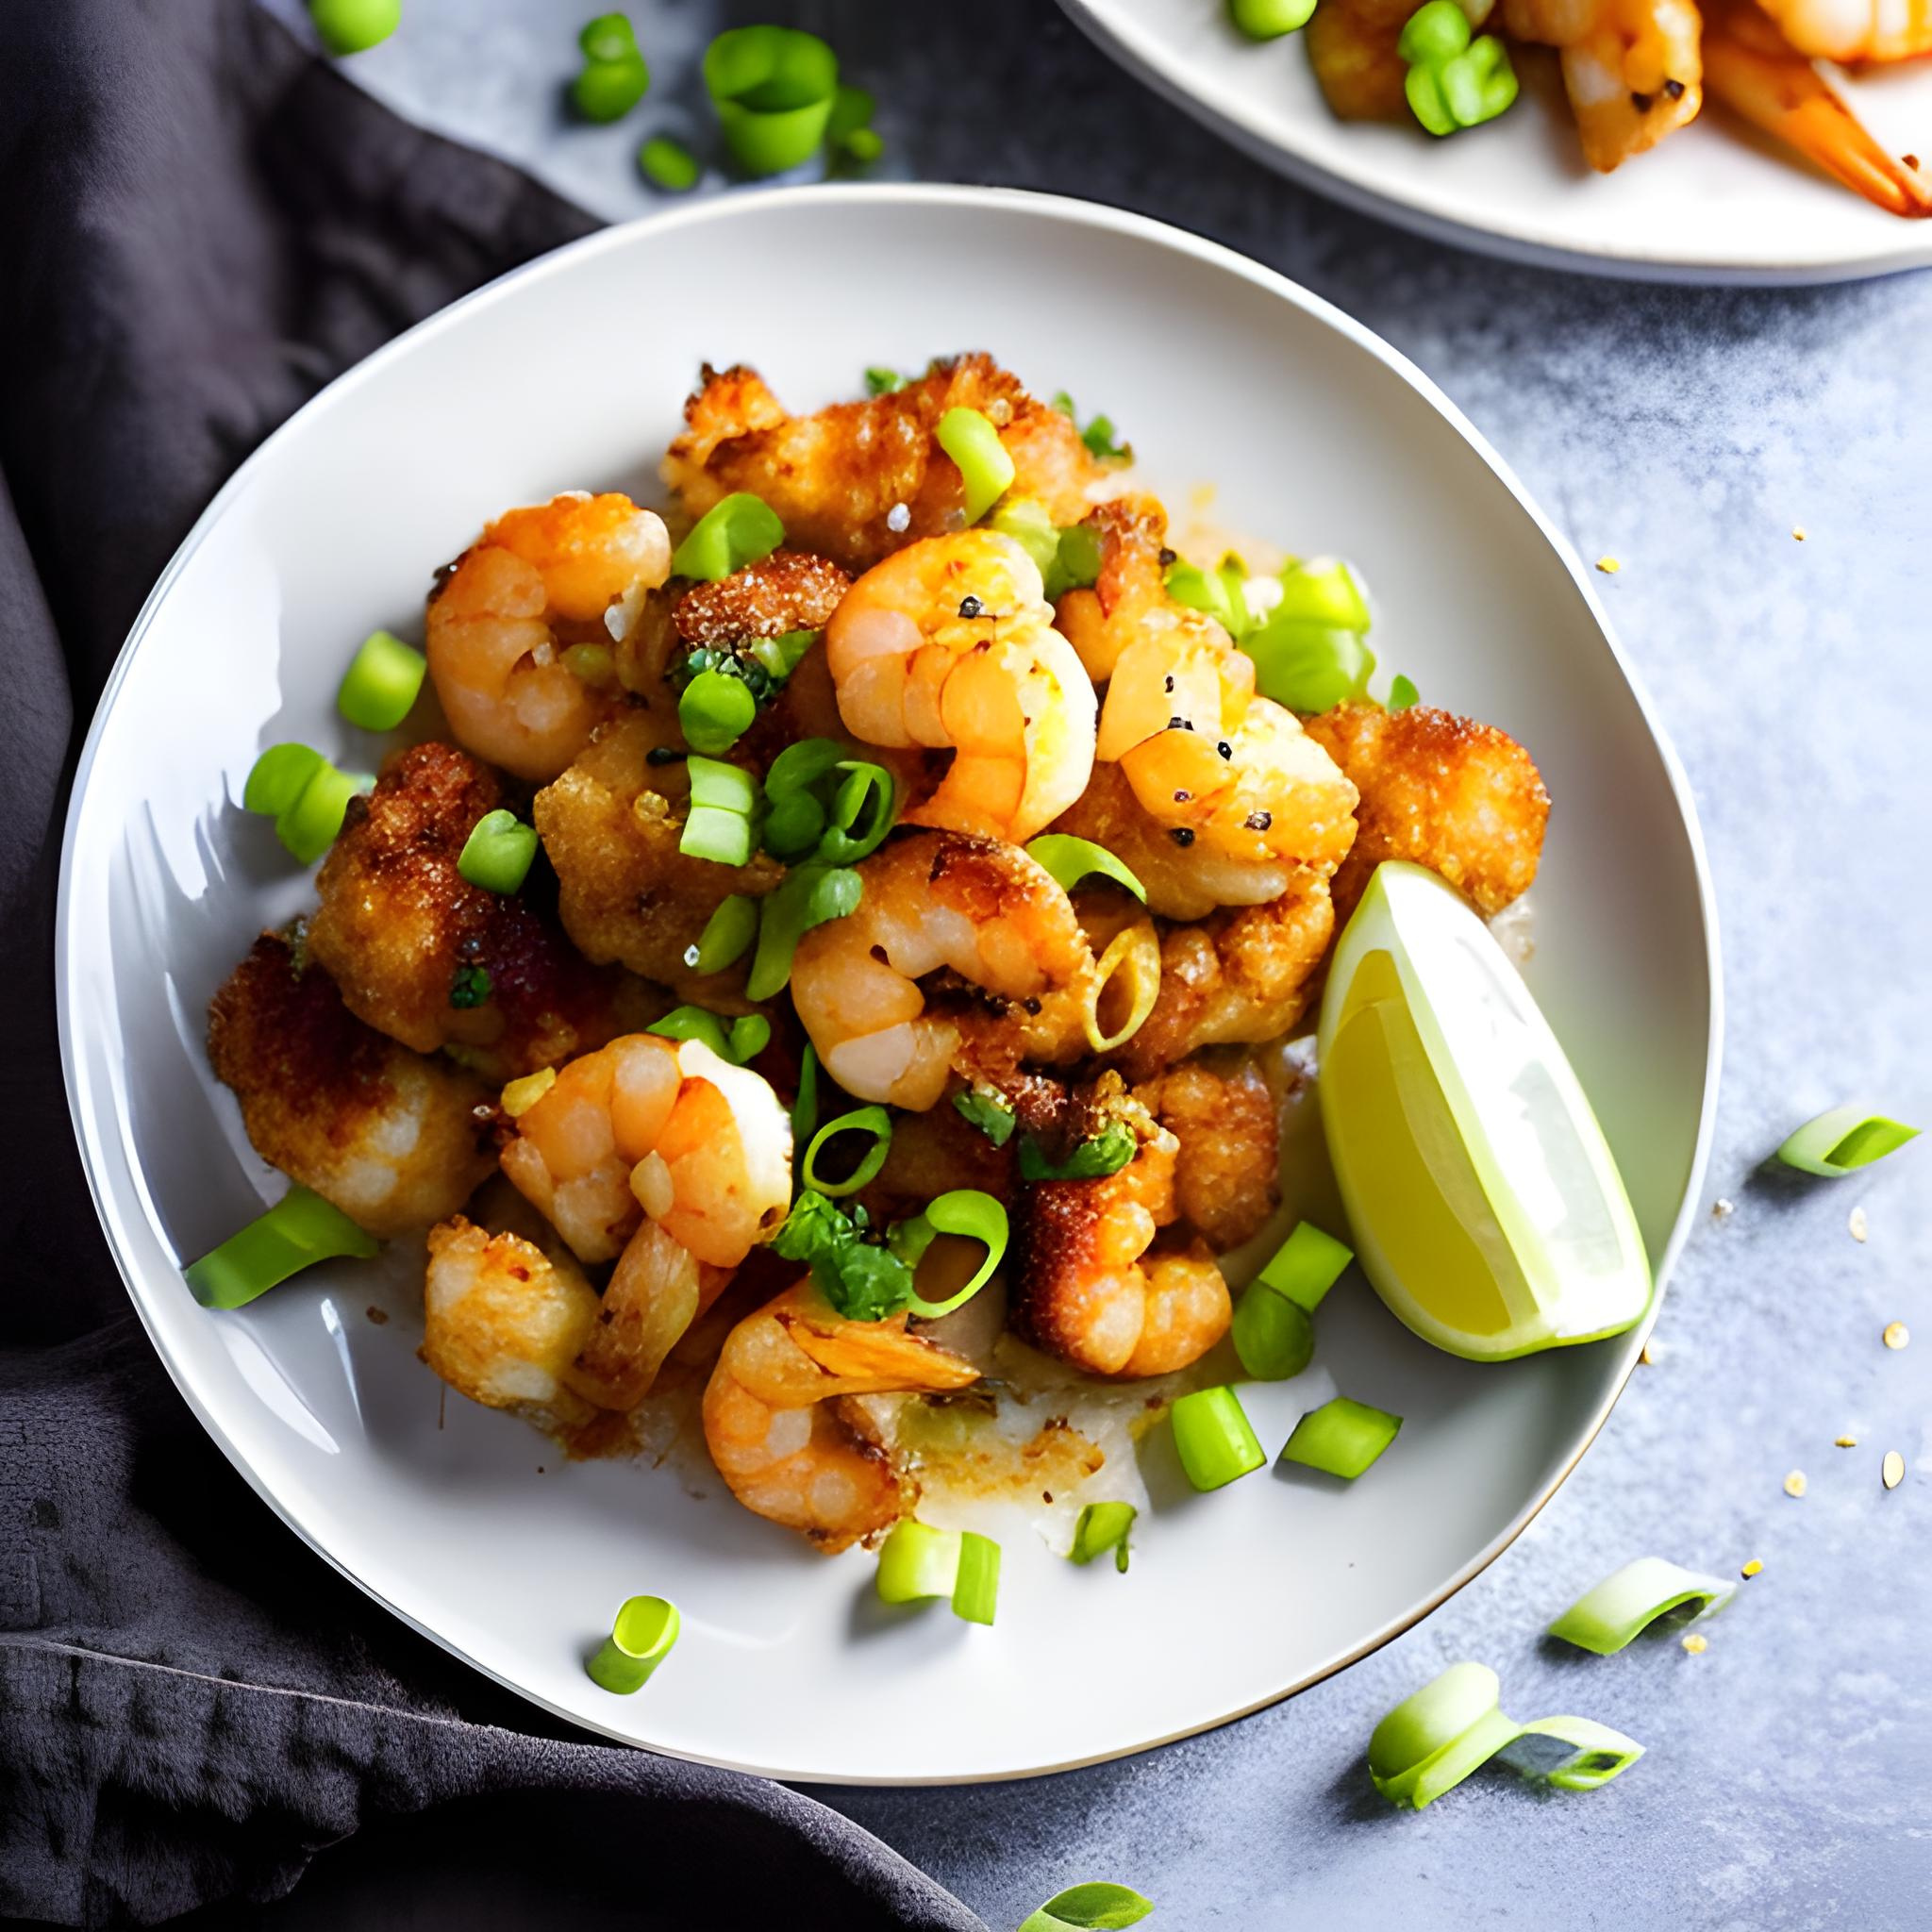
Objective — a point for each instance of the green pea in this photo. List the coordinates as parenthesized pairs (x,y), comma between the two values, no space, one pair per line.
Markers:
(352,26)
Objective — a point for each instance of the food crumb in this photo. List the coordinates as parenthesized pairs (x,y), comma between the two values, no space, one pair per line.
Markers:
(1844,1441)
(898,518)
(1608,565)
(1798,532)
(1696,1644)
(1896,1335)
(1893,1470)
(376,1315)
(1647,1355)
(1751,1569)
(1794,1483)
(1722,1208)
(1857,1222)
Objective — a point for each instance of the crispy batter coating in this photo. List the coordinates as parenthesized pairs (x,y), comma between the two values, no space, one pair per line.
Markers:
(1352,50)
(392,1138)
(835,476)
(1462,798)
(626,893)
(1239,978)
(1227,1175)
(790,589)
(406,936)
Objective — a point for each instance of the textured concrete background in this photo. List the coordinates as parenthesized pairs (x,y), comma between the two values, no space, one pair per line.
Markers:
(1686,433)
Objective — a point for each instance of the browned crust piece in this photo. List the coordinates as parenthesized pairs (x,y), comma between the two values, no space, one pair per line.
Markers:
(1227,1174)
(790,589)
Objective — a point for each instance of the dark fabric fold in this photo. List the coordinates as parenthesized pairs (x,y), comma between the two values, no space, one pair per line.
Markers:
(200,225)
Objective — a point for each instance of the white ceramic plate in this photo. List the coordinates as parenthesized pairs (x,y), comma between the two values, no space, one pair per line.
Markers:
(1716,203)
(572,374)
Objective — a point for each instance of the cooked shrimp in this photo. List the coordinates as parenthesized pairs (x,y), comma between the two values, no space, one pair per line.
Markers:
(951,642)
(1853,30)
(1081,1282)
(791,1449)
(859,480)
(434,961)
(941,902)
(611,827)
(393,1138)
(1228,1169)
(572,571)
(1756,74)
(1633,69)
(1462,798)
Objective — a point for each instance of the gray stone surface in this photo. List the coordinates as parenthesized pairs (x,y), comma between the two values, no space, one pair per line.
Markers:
(1685,433)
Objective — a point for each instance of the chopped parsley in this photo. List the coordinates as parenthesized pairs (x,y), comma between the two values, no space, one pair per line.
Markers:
(470,987)
(862,1281)
(1107,1153)
(884,382)
(992,1117)
(1099,433)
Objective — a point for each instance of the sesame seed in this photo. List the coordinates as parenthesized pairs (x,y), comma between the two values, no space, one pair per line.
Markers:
(898,519)
(1794,1483)
(1647,1355)
(1844,1441)
(1893,1469)
(1722,1209)
(1259,821)
(1896,1335)
(1167,684)
(1751,1569)
(1798,532)
(1182,798)
(1181,835)
(1696,1644)
(1225,749)
(1857,1225)
(1608,565)
(970,607)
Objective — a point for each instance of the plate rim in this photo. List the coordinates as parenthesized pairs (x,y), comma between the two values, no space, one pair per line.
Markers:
(1075,212)
(1141,53)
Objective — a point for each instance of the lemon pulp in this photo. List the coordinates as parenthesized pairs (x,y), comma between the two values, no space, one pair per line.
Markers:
(1485,1206)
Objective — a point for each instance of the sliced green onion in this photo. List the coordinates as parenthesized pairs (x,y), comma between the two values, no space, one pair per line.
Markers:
(669,164)
(714,711)
(1327,593)
(1307,1265)
(1216,591)
(963,1211)
(1102,1526)
(809,895)
(774,89)
(1214,1438)
(1452,81)
(1403,694)
(1079,557)
(779,656)
(1341,1437)
(881,381)
(1027,523)
(917,1562)
(1309,667)
(737,531)
(309,826)
(299,1230)
(987,1113)
(1097,1907)
(804,1105)
(278,777)
(381,682)
(977,1593)
(800,766)
(1268,20)
(353,26)
(1070,861)
(1452,1726)
(861,813)
(874,1121)
(1437,31)
(607,90)
(1272,1336)
(499,853)
(1092,1160)
(641,1639)
(793,826)
(1099,438)
(610,36)
(852,111)
(986,471)
(728,936)
(743,1038)
(1628,1599)
(722,837)
(1842,1141)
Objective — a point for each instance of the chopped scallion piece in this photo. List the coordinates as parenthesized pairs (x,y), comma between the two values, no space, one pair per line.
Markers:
(1096,1906)
(1070,861)
(1403,694)
(1452,81)
(740,529)
(499,853)
(1214,1438)
(353,26)
(987,1113)
(779,656)
(727,935)
(1092,1160)
(1307,1265)
(809,895)
(1842,1141)
(278,776)
(641,1639)
(299,1230)
(873,1121)
(1630,1599)
(669,164)
(1102,1526)
(610,36)
(805,1107)
(1268,20)
(1341,1437)
(800,766)
(881,381)
(1306,667)
(1080,559)
(740,1040)
(1438,1736)
(793,826)
(977,1593)
(308,824)
(917,1562)
(1027,523)
(1272,1336)
(774,89)
(964,1211)
(714,711)
(722,837)
(861,813)
(1216,591)
(986,471)
(607,90)
(381,682)
(852,111)
(470,984)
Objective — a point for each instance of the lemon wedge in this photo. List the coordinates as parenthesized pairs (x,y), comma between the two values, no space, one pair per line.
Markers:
(1486,1205)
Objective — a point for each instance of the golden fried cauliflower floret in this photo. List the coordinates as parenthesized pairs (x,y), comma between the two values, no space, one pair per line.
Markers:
(1227,1174)
(1462,798)
(503,1322)
(626,893)
(432,960)
(391,1137)
(836,476)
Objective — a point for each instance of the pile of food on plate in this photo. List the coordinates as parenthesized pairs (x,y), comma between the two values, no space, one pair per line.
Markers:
(829,973)
(1633,71)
